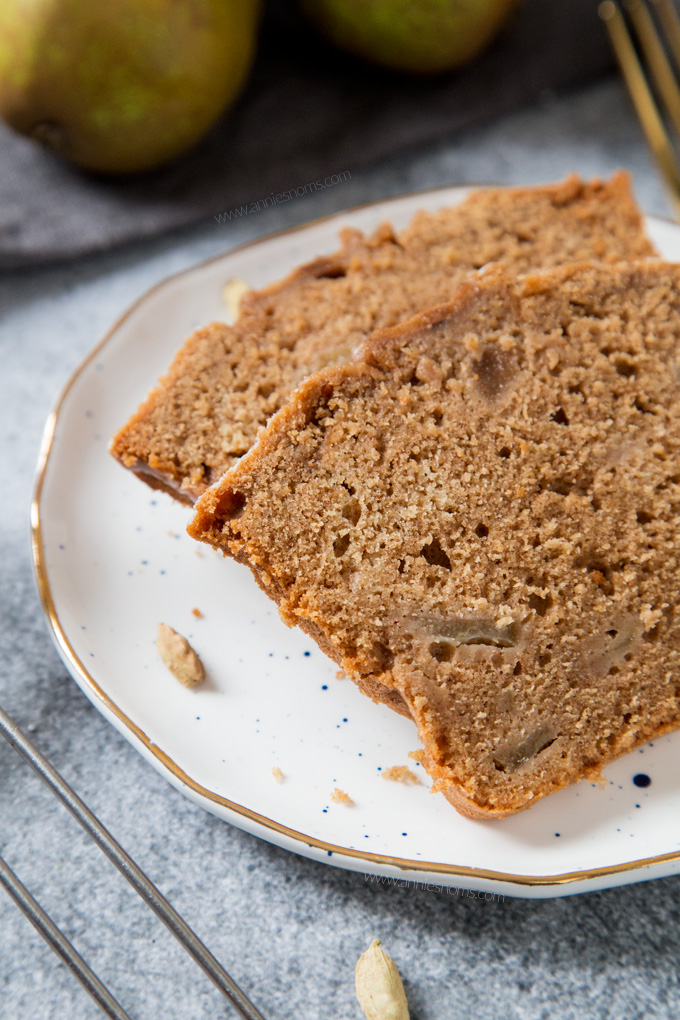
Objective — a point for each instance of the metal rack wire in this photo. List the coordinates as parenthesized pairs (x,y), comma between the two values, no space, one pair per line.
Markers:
(645,36)
(142,885)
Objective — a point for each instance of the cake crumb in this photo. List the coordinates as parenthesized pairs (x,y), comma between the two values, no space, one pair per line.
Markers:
(277,774)
(340,797)
(197,613)
(179,656)
(401,774)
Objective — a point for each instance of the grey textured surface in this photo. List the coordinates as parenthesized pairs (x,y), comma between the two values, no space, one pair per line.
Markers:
(289,930)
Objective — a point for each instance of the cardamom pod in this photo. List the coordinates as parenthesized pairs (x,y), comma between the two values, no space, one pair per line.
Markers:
(378,985)
(179,656)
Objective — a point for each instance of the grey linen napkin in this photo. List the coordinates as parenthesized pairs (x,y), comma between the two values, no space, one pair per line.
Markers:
(308,112)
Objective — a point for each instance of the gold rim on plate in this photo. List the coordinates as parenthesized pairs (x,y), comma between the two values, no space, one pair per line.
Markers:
(78,667)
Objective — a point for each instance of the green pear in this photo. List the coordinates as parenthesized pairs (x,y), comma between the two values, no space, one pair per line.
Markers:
(420,36)
(123,86)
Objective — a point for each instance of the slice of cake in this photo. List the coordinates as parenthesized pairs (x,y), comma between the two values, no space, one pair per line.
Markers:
(228,380)
(482,516)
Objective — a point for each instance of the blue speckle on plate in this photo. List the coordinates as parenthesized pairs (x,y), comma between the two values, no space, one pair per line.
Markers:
(307,654)
(641,779)
(404,833)
(557,833)
(324,687)
(329,852)
(344,720)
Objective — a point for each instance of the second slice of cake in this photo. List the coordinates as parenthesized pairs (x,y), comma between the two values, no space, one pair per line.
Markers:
(227,381)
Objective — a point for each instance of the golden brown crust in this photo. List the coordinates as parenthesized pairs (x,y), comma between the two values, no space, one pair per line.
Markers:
(482,516)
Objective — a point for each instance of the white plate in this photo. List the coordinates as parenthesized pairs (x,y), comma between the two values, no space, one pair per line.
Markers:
(113,560)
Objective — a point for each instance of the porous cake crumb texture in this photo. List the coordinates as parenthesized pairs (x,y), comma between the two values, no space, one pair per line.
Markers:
(481,517)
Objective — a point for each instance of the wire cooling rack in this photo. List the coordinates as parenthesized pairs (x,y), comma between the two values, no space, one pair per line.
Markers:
(134,875)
